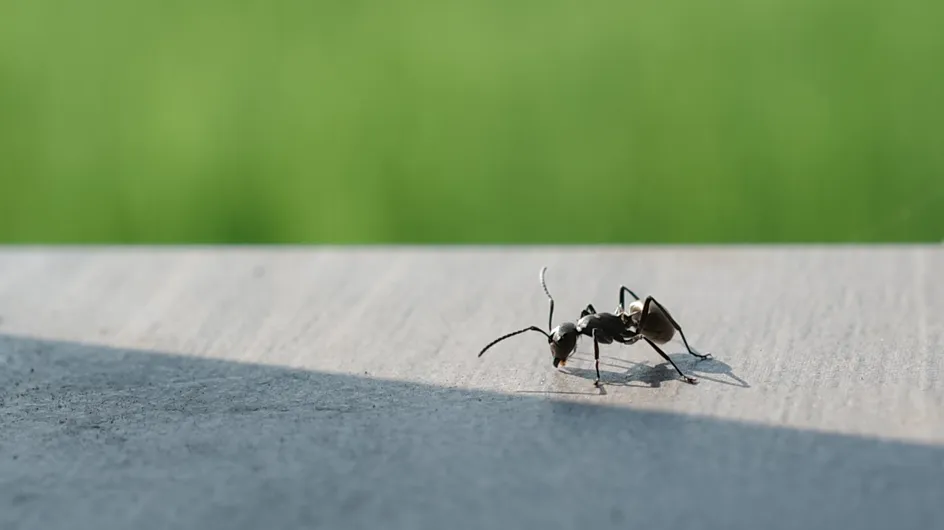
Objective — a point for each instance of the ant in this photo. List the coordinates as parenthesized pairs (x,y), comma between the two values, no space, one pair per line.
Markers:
(646,320)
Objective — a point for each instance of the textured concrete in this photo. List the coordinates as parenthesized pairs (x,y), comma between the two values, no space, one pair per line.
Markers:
(339,388)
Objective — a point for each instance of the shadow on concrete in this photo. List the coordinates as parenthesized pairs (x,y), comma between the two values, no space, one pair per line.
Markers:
(615,371)
(100,438)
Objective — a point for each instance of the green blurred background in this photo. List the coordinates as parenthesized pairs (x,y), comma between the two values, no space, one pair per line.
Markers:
(363,121)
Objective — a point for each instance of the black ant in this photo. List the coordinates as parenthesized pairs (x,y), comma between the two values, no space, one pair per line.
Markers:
(647,320)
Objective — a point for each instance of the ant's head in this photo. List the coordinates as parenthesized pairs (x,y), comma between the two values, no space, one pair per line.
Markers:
(563,342)
(561,339)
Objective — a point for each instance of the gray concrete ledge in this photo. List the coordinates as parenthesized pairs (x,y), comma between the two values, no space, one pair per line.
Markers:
(239,387)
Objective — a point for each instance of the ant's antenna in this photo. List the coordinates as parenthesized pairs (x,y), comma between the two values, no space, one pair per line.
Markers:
(550,315)
(512,334)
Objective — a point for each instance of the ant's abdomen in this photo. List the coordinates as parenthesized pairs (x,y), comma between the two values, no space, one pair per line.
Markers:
(658,328)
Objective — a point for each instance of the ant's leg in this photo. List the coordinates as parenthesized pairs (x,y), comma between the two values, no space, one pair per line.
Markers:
(629,339)
(645,313)
(688,379)
(596,356)
(623,291)
(590,310)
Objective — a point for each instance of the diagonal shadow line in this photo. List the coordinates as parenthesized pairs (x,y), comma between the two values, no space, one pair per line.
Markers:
(598,391)
(94,437)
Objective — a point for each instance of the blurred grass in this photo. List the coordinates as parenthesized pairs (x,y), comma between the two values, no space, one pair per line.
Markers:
(471,121)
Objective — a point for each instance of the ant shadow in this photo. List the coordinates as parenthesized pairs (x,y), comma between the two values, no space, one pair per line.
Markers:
(637,374)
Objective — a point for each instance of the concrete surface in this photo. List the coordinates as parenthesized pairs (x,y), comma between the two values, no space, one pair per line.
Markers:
(235,388)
